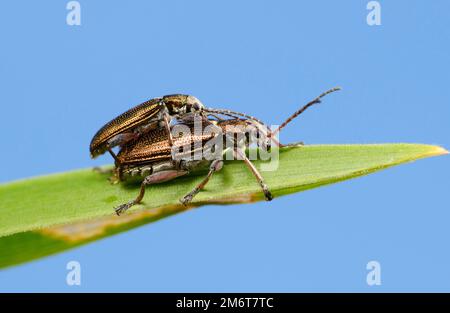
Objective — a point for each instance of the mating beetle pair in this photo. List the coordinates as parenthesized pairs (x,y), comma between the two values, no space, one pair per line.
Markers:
(149,150)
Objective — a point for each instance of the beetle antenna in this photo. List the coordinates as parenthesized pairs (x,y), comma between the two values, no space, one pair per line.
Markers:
(303,109)
(235,114)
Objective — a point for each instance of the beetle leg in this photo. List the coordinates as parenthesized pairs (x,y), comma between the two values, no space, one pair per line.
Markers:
(120,140)
(154,178)
(216,116)
(114,156)
(255,172)
(215,166)
(118,175)
(167,127)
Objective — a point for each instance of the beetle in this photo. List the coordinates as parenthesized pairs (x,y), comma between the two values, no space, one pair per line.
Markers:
(152,155)
(143,117)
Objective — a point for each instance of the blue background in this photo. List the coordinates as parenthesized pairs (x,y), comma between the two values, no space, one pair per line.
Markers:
(60,83)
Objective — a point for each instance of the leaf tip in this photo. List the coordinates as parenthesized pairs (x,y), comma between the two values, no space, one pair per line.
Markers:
(438,150)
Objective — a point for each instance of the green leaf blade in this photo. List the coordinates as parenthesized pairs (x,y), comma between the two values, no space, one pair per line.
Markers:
(48,214)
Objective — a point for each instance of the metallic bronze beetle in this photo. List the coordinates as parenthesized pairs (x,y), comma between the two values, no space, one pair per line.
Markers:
(151,114)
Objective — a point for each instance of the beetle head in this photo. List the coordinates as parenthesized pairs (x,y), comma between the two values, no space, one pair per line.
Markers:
(181,104)
(193,104)
(96,150)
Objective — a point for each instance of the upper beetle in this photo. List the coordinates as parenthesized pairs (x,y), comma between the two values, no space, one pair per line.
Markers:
(153,113)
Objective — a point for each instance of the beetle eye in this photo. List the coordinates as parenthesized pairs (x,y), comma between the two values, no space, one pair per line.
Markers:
(197,106)
(194,104)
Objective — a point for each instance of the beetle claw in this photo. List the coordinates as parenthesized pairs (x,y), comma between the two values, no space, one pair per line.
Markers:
(186,200)
(267,193)
(123,207)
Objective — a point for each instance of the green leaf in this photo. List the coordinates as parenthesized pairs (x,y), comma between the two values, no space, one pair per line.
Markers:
(44,215)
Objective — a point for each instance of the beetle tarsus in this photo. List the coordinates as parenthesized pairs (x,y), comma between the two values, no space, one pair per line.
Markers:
(124,207)
(186,199)
(267,193)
